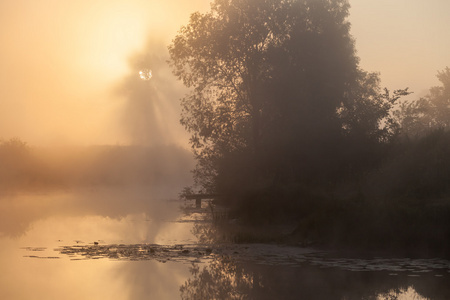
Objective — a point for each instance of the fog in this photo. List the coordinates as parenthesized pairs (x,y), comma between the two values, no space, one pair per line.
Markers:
(109,181)
(80,132)
(70,80)
(93,156)
(63,62)
(150,113)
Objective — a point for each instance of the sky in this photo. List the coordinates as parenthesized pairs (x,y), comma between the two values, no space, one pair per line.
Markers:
(406,41)
(69,69)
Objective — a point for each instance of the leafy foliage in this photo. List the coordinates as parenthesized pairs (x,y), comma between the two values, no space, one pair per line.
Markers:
(419,117)
(277,94)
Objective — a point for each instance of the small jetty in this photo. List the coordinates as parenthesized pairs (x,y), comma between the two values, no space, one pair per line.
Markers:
(218,212)
(199,197)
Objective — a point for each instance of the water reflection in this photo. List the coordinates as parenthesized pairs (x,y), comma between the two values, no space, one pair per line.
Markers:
(118,244)
(32,226)
(221,279)
(21,210)
(225,278)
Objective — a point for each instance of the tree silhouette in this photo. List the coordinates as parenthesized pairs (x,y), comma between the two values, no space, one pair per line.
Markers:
(419,117)
(276,93)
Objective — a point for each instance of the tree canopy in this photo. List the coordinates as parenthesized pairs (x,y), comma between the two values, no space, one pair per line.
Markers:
(277,93)
(418,117)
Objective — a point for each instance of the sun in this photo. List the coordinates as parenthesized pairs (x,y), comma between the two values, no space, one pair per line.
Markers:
(145,74)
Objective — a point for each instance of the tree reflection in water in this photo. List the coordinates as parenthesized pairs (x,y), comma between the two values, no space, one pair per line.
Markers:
(269,272)
(222,279)
(206,232)
(225,278)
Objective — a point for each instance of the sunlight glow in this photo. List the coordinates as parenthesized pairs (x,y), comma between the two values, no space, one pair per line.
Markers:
(145,74)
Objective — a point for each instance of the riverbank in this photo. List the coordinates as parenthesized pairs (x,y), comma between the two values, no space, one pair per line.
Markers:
(399,227)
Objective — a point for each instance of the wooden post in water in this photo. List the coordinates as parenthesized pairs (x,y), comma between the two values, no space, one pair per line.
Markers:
(198,202)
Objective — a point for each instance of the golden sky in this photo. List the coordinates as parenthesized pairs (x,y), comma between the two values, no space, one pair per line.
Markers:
(62,62)
(407,41)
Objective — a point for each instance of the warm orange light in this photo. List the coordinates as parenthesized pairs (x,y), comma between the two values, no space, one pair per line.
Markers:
(145,74)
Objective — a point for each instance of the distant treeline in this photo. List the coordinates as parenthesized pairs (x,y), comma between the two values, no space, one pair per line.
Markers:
(24,167)
(286,126)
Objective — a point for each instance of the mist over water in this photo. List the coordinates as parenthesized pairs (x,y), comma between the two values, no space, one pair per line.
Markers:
(58,193)
(150,163)
(93,156)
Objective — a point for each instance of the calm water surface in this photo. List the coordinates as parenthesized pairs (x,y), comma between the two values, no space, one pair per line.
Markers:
(133,244)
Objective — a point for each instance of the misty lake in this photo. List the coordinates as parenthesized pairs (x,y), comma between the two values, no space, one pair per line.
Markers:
(135,244)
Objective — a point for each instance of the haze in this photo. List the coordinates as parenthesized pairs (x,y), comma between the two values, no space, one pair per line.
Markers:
(69,70)
(295,150)
(63,63)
